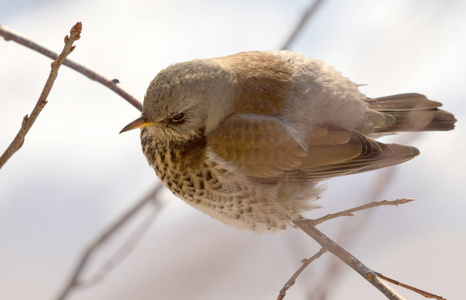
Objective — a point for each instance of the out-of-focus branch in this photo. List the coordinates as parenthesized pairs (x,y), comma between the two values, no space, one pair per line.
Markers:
(127,247)
(28,121)
(75,280)
(111,83)
(304,19)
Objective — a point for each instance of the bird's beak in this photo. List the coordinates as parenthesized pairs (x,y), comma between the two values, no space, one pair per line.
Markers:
(138,123)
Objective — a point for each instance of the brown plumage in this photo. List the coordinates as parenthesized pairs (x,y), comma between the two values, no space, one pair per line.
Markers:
(246,138)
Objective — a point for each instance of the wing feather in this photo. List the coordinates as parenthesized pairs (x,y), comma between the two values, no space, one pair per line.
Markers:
(265,146)
(260,145)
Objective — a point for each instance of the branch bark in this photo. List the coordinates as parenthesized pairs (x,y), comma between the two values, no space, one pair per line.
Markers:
(28,121)
(347,258)
(111,83)
(291,281)
(308,226)
(411,288)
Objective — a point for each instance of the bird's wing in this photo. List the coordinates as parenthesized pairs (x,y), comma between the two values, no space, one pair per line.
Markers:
(325,159)
(263,146)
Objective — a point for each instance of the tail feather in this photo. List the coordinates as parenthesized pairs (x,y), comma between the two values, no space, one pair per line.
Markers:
(412,112)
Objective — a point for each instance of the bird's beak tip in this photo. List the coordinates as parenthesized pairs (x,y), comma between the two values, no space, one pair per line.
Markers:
(138,123)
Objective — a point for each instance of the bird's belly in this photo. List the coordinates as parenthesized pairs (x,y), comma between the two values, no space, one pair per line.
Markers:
(236,201)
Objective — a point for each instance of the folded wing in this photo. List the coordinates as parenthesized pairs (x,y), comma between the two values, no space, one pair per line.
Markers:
(267,147)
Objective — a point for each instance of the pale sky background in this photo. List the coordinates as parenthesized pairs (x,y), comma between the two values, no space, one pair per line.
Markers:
(75,174)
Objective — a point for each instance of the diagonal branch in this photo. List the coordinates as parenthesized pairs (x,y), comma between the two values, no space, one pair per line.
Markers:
(291,281)
(111,83)
(28,121)
(75,280)
(349,232)
(347,258)
(304,19)
(128,246)
(344,213)
(411,288)
(308,226)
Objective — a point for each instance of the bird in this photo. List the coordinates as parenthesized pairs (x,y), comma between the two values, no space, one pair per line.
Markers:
(247,138)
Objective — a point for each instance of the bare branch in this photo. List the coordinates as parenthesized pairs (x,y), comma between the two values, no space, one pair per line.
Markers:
(291,281)
(304,19)
(28,121)
(345,213)
(347,258)
(411,288)
(75,278)
(349,212)
(111,83)
(349,233)
(373,277)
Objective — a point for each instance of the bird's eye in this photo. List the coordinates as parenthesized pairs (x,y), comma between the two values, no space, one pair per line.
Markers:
(177,118)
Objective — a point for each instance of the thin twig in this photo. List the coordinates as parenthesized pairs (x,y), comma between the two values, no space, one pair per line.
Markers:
(344,213)
(349,232)
(28,121)
(347,258)
(75,280)
(111,83)
(349,212)
(411,288)
(304,19)
(292,280)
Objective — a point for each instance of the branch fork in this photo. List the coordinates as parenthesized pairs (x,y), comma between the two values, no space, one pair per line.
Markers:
(328,245)
(28,121)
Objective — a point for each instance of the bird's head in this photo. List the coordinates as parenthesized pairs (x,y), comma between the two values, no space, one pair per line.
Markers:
(186,100)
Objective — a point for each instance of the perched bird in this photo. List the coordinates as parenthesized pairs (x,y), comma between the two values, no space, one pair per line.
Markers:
(246,138)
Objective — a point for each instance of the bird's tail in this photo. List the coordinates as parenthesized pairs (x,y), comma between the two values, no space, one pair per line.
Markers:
(412,112)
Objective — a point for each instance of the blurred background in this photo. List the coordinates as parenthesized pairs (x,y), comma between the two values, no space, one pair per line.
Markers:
(75,174)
